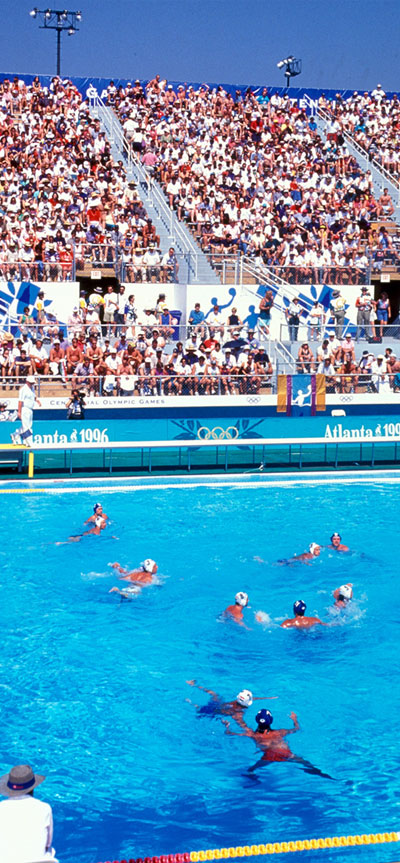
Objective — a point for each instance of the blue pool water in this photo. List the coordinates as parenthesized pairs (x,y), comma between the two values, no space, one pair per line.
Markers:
(94,693)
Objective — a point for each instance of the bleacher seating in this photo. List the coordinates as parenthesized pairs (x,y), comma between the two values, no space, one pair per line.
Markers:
(61,194)
(252,176)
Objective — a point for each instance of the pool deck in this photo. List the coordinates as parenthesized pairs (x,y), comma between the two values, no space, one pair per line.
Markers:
(130,484)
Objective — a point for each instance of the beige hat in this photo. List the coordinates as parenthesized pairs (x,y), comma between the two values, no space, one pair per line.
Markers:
(19,781)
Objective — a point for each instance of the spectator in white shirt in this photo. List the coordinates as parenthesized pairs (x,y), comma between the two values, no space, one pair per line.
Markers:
(110,306)
(152,261)
(26,824)
(39,358)
(215,322)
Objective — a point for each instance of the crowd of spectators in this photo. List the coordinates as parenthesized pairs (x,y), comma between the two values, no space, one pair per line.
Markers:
(61,193)
(252,175)
(249,173)
(336,359)
(373,121)
(112,348)
(123,351)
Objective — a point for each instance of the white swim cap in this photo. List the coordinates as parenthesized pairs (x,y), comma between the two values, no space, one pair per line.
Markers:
(346,590)
(149,564)
(313,546)
(241,598)
(245,698)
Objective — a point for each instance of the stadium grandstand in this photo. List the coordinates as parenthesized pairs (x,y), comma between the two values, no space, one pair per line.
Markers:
(160,184)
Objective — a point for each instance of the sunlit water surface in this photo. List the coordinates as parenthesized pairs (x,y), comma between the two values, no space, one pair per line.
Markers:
(94,692)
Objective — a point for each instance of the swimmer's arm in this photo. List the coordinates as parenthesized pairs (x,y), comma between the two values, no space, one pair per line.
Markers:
(242,623)
(238,717)
(264,697)
(285,731)
(131,576)
(203,689)
(118,567)
(122,594)
(247,733)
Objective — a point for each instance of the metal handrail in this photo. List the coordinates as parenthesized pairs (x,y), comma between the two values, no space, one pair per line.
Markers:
(310,103)
(165,212)
(284,358)
(155,195)
(111,124)
(330,274)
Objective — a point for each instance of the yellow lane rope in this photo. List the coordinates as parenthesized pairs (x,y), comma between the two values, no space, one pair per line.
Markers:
(293,845)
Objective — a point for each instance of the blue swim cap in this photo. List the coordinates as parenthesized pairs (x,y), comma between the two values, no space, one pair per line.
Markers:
(299,607)
(96,507)
(264,718)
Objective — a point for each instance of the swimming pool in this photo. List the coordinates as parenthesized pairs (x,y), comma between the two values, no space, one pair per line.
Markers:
(94,691)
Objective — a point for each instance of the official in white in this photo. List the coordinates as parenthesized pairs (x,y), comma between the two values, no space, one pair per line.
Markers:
(26,403)
(26,824)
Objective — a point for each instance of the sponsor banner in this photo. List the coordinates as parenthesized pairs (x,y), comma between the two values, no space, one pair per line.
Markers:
(300,395)
(140,402)
(135,403)
(368,428)
(216,427)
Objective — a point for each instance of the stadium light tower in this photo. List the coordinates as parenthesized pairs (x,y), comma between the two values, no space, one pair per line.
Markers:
(292,67)
(59,20)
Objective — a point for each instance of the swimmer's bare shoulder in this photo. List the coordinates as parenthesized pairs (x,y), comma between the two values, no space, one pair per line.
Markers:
(302,622)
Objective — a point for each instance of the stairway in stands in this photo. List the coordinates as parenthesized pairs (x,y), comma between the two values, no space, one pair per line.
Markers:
(194,266)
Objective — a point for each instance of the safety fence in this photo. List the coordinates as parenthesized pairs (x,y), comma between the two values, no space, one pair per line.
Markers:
(232,267)
(55,269)
(128,263)
(305,330)
(198,380)
(328,842)
(135,323)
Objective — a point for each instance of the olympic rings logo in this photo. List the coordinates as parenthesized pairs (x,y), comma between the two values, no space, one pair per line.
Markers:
(348,398)
(253,400)
(217,433)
